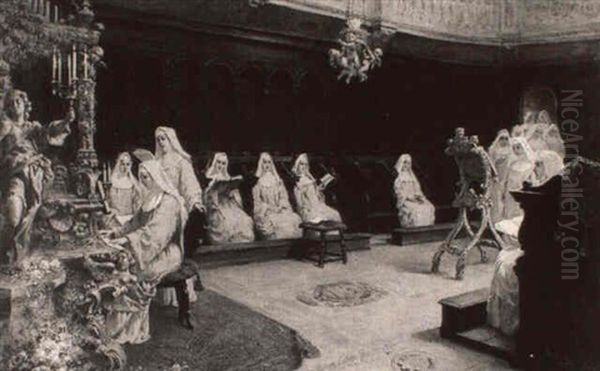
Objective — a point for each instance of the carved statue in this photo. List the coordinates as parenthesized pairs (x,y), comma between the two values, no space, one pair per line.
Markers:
(476,173)
(25,170)
(414,209)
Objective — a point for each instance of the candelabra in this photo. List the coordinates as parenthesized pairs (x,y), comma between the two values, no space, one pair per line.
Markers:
(73,79)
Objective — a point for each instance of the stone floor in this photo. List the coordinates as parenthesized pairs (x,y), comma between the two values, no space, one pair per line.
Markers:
(400,328)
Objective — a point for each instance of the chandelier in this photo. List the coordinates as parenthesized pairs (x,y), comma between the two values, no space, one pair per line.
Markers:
(354,57)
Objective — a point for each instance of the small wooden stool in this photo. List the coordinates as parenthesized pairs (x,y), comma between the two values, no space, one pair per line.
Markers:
(188,269)
(323,228)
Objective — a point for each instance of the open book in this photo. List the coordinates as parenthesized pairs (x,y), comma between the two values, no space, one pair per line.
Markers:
(326,180)
(222,186)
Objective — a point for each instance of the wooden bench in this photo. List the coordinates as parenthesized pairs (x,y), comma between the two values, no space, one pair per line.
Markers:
(411,236)
(463,312)
(324,231)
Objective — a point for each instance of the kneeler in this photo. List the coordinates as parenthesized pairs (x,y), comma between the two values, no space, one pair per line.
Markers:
(193,233)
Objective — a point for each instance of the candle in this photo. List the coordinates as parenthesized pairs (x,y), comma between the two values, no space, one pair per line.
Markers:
(69,69)
(55,14)
(48,11)
(60,67)
(74,63)
(54,65)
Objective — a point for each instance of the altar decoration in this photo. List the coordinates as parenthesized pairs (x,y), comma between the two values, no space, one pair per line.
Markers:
(355,56)
(57,309)
(62,34)
(476,175)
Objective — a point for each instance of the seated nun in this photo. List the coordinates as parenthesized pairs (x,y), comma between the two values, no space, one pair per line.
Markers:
(554,141)
(227,220)
(503,300)
(520,169)
(309,195)
(273,214)
(154,239)
(500,153)
(414,209)
(124,193)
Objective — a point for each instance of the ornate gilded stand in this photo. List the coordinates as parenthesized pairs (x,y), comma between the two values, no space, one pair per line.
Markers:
(476,174)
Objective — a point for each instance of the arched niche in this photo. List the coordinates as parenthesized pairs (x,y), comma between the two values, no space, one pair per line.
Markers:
(537,98)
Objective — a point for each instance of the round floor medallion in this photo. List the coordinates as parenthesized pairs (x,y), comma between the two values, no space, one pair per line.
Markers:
(342,294)
(412,360)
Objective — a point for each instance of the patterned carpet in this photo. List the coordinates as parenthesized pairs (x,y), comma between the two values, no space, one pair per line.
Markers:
(227,336)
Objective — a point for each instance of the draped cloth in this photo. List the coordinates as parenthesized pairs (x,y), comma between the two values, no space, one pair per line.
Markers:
(273,214)
(155,240)
(414,209)
(309,197)
(177,165)
(500,153)
(227,220)
(503,299)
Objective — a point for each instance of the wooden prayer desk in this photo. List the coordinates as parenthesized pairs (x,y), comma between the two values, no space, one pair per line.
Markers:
(323,230)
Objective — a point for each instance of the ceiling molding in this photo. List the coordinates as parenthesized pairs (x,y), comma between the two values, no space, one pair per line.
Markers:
(294,24)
